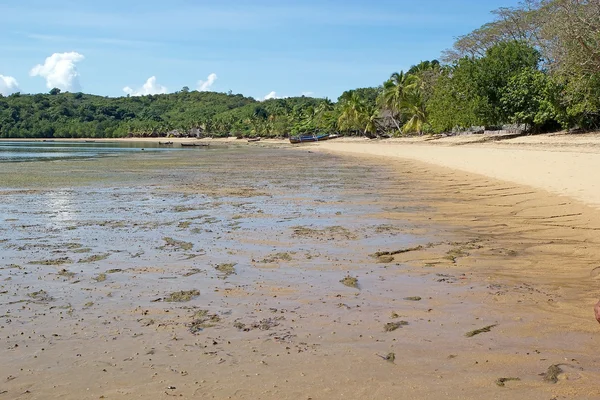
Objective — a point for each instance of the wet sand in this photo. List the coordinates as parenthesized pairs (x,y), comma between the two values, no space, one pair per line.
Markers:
(90,260)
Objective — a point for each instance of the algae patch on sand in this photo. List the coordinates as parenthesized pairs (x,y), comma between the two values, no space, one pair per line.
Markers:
(385,259)
(202,321)
(551,375)
(328,233)
(350,281)
(393,253)
(501,381)
(481,330)
(226,268)
(392,326)
(55,261)
(176,244)
(94,258)
(66,273)
(277,257)
(182,296)
(40,295)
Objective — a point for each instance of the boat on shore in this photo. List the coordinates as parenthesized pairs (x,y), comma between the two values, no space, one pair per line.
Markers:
(308,138)
(194,144)
(165,143)
(257,139)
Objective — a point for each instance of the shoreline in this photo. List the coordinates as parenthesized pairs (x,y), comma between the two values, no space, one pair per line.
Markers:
(558,163)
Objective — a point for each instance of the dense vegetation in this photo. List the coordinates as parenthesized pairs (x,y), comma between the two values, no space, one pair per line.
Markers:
(536,66)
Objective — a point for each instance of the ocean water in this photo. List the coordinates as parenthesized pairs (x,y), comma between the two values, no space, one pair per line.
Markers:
(22,151)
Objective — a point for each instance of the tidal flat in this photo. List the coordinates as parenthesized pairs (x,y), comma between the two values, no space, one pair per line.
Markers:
(216,274)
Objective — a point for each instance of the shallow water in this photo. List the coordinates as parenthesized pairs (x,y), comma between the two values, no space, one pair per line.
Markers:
(21,151)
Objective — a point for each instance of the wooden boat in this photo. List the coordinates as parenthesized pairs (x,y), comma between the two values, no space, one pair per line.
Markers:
(165,143)
(194,144)
(308,138)
(257,139)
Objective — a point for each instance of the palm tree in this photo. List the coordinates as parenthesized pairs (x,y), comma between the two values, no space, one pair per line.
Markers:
(392,96)
(356,115)
(349,107)
(414,108)
(325,115)
(368,116)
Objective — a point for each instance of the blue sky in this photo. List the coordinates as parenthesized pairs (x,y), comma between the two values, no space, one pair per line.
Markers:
(253,47)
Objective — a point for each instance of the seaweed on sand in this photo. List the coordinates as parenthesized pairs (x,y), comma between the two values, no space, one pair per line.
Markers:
(182,296)
(385,259)
(400,251)
(183,208)
(56,261)
(266,323)
(551,375)
(501,381)
(203,321)
(481,330)
(40,295)
(100,277)
(176,244)
(192,271)
(392,326)
(389,357)
(277,257)
(329,233)
(226,268)
(94,258)
(413,298)
(239,325)
(350,281)
(66,273)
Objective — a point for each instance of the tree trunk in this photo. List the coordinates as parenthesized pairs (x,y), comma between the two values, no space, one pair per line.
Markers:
(396,123)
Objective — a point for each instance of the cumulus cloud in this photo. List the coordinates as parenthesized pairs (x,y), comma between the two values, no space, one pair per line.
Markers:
(8,85)
(60,71)
(272,95)
(150,87)
(204,86)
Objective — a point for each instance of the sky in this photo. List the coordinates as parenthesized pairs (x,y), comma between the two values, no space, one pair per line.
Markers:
(260,48)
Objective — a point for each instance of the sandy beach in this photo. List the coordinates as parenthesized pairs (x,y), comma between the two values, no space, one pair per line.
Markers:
(179,275)
(560,163)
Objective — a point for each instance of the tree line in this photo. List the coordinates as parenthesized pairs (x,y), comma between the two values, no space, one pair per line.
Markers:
(535,66)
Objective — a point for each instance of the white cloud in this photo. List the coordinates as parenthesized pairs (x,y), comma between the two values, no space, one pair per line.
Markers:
(150,87)
(272,95)
(60,71)
(204,86)
(8,85)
